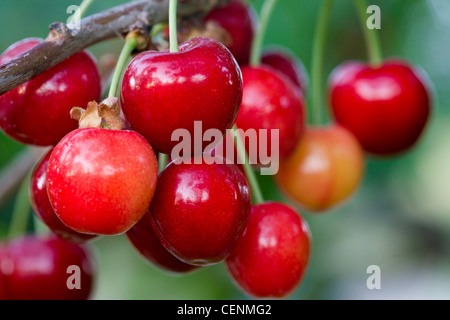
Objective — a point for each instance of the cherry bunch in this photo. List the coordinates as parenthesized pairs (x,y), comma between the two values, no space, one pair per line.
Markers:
(110,176)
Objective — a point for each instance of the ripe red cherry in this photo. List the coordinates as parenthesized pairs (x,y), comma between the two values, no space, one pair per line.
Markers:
(101,181)
(271,101)
(164,91)
(385,107)
(36,268)
(200,210)
(144,239)
(43,209)
(285,62)
(38,111)
(272,255)
(238,20)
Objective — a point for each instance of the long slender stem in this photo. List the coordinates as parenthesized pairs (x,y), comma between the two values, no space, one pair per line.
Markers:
(173,36)
(130,44)
(371,36)
(266,12)
(84,6)
(317,62)
(22,210)
(251,176)
(162,161)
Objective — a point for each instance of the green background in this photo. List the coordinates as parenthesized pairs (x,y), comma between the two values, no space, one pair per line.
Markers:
(400,217)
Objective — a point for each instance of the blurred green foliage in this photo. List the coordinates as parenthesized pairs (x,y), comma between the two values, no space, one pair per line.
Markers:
(398,220)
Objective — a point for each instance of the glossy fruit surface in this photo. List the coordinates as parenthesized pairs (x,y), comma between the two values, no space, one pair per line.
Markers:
(271,101)
(385,107)
(38,111)
(271,258)
(43,209)
(200,210)
(101,181)
(164,91)
(36,268)
(238,20)
(285,62)
(144,239)
(324,170)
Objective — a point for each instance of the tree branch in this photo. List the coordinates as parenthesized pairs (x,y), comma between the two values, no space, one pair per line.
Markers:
(63,42)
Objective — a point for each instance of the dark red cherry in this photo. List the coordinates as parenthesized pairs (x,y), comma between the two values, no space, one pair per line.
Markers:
(36,268)
(271,101)
(101,181)
(385,107)
(3,294)
(238,20)
(164,91)
(144,239)
(38,111)
(200,210)
(285,62)
(43,209)
(271,258)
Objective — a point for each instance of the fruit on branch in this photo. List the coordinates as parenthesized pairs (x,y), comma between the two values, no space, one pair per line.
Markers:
(200,210)
(386,107)
(324,170)
(271,258)
(271,101)
(284,61)
(101,181)
(43,209)
(38,268)
(163,91)
(145,240)
(38,111)
(238,20)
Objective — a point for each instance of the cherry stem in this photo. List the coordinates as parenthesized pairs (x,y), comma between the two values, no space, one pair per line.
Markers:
(317,62)
(173,36)
(162,161)
(251,176)
(372,39)
(130,44)
(84,6)
(266,12)
(22,209)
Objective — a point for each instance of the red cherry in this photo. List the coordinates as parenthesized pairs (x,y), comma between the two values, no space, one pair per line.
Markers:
(200,210)
(101,181)
(272,255)
(3,294)
(38,269)
(163,91)
(144,239)
(43,209)
(385,107)
(285,62)
(239,21)
(271,101)
(38,111)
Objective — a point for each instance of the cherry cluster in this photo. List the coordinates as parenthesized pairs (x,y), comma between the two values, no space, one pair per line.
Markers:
(102,179)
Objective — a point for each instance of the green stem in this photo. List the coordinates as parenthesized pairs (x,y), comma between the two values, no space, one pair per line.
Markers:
(22,210)
(317,62)
(251,176)
(130,44)
(173,36)
(162,161)
(266,12)
(84,6)
(371,36)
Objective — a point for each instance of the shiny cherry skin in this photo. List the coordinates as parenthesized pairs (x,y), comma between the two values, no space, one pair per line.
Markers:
(239,21)
(325,169)
(285,62)
(43,209)
(101,181)
(38,111)
(37,268)
(271,101)
(200,210)
(385,107)
(163,91)
(144,239)
(272,256)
